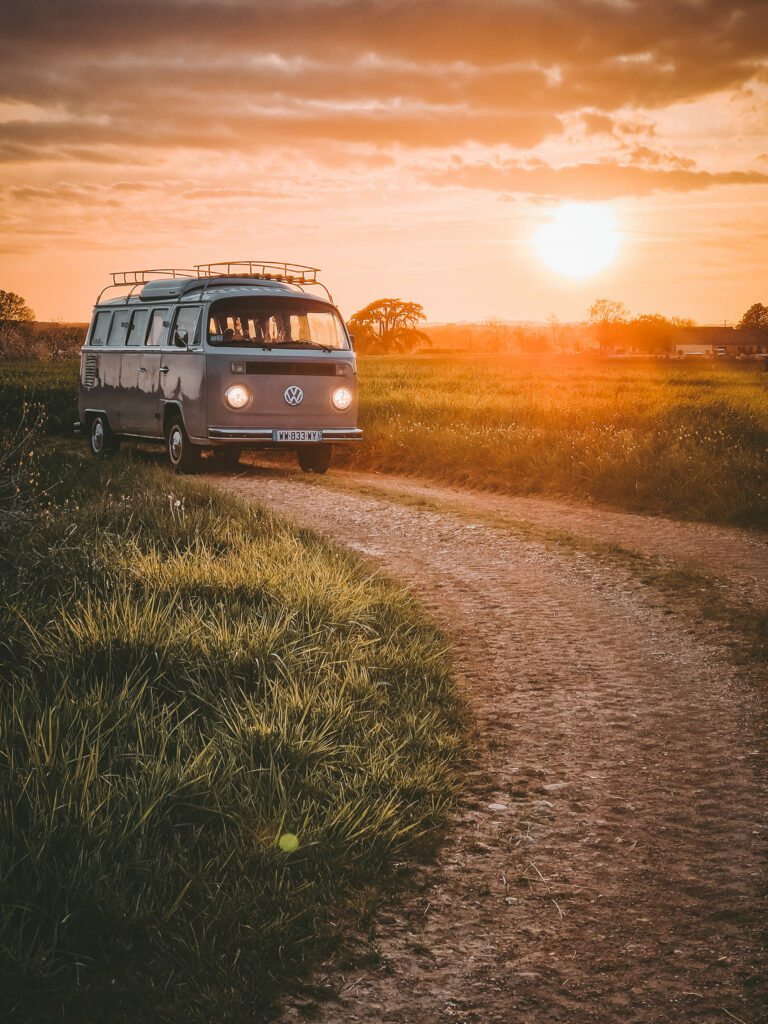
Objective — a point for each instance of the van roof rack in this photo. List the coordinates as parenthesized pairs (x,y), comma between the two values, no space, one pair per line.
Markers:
(290,273)
(294,273)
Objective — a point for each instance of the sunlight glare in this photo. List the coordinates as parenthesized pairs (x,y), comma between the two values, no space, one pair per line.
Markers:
(580,240)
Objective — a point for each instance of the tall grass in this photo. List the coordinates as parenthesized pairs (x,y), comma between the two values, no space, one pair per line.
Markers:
(687,439)
(186,679)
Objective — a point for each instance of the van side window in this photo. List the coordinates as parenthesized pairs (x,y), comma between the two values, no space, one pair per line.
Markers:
(187,320)
(119,327)
(158,327)
(138,327)
(100,328)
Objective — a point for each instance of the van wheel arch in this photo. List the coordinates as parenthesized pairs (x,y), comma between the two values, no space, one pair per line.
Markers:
(172,411)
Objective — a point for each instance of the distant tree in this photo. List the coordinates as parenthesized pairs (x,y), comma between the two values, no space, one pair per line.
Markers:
(650,332)
(606,311)
(606,314)
(497,334)
(756,316)
(16,319)
(388,325)
(14,309)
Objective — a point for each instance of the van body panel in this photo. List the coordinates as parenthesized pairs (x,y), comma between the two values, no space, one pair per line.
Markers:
(138,402)
(182,382)
(146,412)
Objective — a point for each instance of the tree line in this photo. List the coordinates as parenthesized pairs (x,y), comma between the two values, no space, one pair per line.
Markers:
(390,325)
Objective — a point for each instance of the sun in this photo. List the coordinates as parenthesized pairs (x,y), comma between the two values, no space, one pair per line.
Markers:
(580,240)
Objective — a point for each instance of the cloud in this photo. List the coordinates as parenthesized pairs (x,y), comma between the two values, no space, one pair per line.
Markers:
(380,72)
(436,92)
(587,181)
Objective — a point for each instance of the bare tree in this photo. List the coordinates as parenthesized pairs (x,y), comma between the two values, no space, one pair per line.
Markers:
(605,314)
(555,329)
(58,340)
(498,334)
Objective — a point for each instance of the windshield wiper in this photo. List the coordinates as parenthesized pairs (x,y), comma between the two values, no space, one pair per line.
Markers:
(302,344)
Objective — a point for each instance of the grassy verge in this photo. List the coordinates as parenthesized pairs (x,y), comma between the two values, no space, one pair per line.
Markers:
(687,439)
(185,681)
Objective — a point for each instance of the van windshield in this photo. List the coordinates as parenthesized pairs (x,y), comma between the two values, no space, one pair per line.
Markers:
(275,323)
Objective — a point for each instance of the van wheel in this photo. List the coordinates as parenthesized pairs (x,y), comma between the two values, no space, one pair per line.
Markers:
(102,442)
(182,454)
(315,460)
(227,456)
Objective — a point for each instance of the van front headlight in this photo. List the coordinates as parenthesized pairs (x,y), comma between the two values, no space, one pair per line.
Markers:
(237,396)
(342,399)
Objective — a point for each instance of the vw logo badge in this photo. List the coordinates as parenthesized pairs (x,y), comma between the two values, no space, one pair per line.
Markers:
(293,395)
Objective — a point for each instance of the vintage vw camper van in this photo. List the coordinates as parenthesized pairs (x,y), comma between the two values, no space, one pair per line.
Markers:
(222,357)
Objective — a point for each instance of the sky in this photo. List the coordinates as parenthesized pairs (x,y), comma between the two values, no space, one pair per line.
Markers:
(409,149)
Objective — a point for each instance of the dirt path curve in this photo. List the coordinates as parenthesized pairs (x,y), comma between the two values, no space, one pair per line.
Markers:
(738,555)
(607,863)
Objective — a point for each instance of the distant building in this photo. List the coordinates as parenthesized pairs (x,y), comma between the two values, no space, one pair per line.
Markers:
(723,342)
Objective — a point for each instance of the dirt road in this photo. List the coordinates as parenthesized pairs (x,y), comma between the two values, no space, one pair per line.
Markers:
(607,863)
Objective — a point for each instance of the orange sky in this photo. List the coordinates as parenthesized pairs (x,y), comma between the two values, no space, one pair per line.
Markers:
(408,148)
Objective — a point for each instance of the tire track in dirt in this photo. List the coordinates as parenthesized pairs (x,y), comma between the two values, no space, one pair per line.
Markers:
(607,862)
(737,555)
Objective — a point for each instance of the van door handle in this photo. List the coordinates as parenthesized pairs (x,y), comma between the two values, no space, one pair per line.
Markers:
(142,369)
(163,369)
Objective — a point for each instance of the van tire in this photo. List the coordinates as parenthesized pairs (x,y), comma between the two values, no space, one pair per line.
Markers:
(183,456)
(102,442)
(315,459)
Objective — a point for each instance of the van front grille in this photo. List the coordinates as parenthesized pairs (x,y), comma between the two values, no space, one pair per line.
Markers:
(89,370)
(296,369)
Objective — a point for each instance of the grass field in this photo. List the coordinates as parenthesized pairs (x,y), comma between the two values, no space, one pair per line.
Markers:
(690,439)
(685,438)
(185,681)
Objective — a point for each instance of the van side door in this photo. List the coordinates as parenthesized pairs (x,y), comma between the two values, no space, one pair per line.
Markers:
(133,357)
(145,413)
(182,370)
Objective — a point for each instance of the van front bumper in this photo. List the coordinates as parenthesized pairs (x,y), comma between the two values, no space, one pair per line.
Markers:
(267,436)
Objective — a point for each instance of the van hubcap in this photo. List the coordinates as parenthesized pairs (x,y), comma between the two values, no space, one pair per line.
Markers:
(97,436)
(175,444)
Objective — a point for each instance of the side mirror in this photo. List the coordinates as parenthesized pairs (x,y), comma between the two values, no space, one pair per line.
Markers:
(181,337)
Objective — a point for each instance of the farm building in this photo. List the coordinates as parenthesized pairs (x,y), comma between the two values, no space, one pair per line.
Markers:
(725,342)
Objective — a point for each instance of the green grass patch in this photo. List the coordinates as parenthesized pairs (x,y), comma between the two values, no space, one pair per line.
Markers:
(686,439)
(43,393)
(185,680)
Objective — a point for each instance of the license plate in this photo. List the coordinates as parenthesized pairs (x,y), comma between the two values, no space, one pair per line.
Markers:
(297,435)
